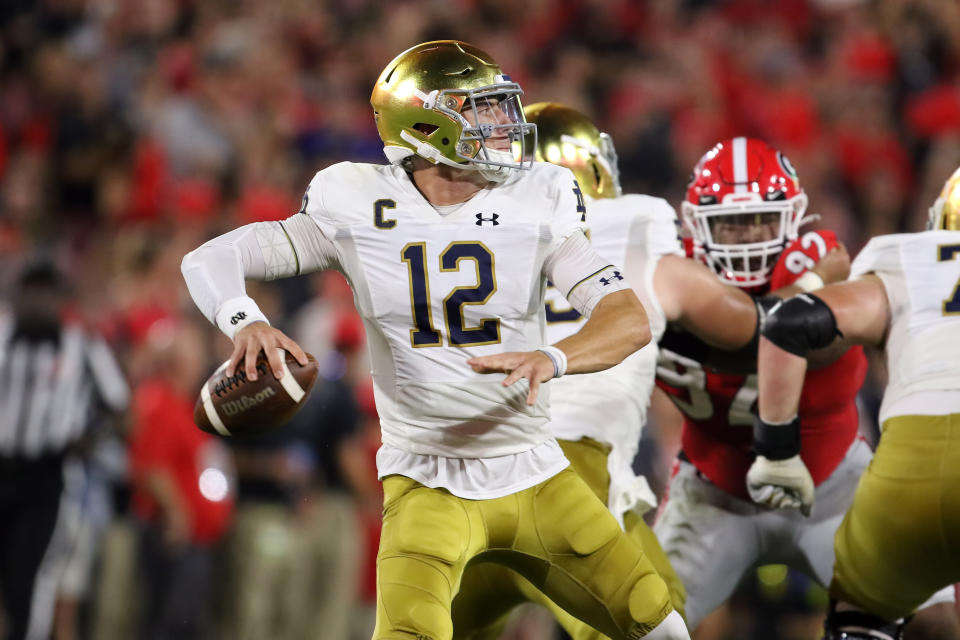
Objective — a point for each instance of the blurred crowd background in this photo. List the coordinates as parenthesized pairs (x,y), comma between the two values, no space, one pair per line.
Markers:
(133,130)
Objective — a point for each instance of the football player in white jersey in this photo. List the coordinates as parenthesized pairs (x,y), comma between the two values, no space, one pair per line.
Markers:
(897,544)
(448,250)
(598,418)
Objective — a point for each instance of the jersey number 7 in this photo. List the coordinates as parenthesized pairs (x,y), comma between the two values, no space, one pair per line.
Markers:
(945,253)
(414,255)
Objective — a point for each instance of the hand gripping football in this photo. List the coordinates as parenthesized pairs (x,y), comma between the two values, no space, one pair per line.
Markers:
(234,405)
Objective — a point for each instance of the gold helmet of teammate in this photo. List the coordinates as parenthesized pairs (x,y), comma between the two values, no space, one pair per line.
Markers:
(945,212)
(568,138)
(450,103)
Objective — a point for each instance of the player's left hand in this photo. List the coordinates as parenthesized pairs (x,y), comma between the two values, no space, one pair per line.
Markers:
(835,265)
(781,484)
(535,366)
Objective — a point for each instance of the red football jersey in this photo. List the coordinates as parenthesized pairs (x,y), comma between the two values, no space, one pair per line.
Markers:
(717,392)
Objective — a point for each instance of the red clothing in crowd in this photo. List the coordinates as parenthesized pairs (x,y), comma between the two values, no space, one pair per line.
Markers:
(164,437)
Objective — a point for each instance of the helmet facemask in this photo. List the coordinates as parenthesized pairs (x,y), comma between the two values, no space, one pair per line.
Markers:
(495,138)
(607,157)
(742,241)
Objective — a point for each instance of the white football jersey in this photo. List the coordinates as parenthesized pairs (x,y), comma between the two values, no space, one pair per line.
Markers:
(435,289)
(611,406)
(921,273)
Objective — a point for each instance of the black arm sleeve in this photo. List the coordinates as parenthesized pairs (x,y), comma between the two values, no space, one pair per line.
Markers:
(802,323)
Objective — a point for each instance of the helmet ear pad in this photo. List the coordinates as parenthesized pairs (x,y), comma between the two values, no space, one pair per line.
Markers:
(432,134)
(442,130)
(438,130)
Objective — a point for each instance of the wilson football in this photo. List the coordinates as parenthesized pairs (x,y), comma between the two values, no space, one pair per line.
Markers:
(234,405)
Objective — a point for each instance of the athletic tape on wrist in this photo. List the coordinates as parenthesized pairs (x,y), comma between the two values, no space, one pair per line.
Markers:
(776,441)
(810,281)
(558,358)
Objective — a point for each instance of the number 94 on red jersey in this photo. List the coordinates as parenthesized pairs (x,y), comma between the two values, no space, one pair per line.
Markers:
(717,393)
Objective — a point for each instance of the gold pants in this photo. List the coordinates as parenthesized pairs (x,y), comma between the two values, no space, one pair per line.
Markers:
(557,534)
(489,591)
(898,543)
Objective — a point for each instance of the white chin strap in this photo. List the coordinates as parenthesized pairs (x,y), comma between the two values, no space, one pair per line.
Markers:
(426,150)
(495,173)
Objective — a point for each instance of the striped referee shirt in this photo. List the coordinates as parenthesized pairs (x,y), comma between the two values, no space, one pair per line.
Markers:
(50,389)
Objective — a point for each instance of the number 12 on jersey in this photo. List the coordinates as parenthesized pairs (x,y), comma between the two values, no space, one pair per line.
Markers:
(425,334)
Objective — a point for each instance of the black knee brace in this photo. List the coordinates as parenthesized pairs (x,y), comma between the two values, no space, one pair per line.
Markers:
(860,625)
(802,323)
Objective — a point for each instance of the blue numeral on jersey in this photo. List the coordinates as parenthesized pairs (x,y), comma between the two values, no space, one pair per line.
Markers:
(458,335)
(581,208)
(489,330)
(945,253)
(570,315)
(415,255)
(305,201)
(555,315)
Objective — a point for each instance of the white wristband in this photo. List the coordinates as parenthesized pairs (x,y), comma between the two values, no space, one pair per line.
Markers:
(559,359)
(809,281)
(236,313)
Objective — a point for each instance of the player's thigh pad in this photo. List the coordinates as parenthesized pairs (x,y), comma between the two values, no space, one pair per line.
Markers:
(569,517)
(423,548)
(892,553)
(643,536)
(596,571)
(496,592)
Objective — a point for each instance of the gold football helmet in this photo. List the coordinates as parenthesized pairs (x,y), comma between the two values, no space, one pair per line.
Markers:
(568,138)
(945,212)
(449,102)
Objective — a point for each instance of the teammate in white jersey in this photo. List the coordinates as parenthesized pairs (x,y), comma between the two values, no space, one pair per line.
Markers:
(448,250)
(598,417)
(898,543)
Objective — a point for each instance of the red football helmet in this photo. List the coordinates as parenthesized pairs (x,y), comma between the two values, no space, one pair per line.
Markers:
(743,206)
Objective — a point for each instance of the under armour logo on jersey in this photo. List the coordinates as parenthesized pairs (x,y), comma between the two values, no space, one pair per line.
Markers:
(616,276)
(236,318)
(492,218)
